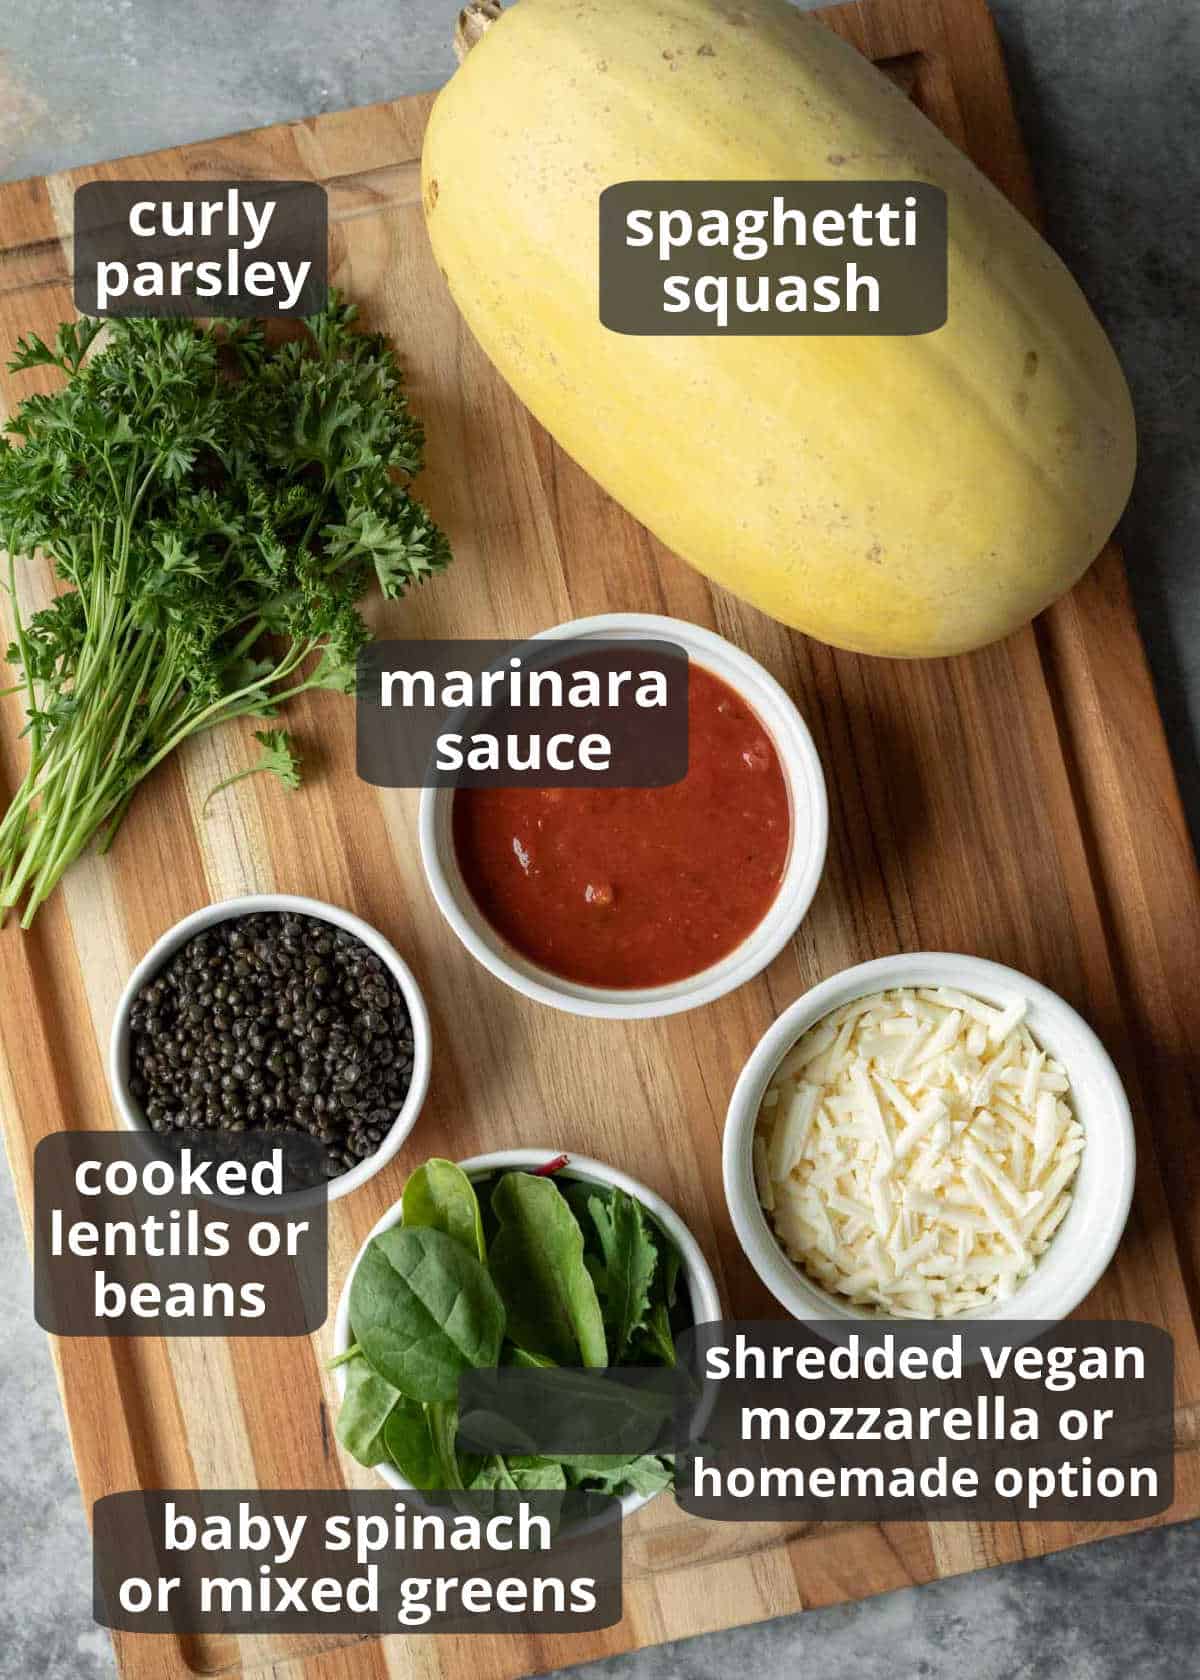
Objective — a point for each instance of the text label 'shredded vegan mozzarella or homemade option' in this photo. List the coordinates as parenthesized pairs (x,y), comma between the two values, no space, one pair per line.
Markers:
(915,1152)
(633,887)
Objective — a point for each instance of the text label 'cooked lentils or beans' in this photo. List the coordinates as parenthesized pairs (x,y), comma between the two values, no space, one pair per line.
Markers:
(279,1023)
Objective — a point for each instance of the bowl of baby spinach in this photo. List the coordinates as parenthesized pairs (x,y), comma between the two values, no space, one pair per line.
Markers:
(519,1258)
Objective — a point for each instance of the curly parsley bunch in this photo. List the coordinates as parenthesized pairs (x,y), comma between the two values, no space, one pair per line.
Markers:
(217,505)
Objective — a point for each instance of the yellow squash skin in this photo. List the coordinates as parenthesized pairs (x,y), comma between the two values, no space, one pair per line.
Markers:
(900,496)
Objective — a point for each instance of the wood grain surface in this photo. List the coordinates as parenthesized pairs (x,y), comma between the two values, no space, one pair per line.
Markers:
(1018,803)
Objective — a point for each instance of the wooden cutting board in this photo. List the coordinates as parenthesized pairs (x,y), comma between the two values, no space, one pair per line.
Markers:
(1018,803)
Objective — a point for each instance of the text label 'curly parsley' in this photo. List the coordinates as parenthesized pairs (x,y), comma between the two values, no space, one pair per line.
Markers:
(201,248)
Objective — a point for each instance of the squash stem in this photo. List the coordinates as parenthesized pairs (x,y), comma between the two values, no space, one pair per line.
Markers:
(474,21)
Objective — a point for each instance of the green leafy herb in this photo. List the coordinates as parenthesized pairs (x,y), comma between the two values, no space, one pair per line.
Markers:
(629,1260)
(278,758)
(537,1262)
(655,1343)
(216,506)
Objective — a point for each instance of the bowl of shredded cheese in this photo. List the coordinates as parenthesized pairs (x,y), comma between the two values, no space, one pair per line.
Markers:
(929,1136)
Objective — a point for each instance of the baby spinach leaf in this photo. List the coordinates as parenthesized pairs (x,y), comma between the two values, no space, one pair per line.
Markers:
(365,1409)
(649,1474)
(629,1259)
(441,1196)
(495,1432)
(604,1474)
(494,1474)
(410,1444)
(455,1472)
(420,1442)
(533,1475)
(537,1262)
(585,1465)
(423,1310)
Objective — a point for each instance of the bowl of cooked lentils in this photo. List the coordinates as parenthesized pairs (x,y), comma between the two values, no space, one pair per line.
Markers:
(275,1019)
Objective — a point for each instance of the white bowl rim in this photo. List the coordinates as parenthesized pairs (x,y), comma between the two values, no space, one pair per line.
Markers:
(983,978)
(802,768)
(247,904)
(702,1285)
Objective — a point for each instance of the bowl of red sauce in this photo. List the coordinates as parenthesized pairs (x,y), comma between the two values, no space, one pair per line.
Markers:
(637,902)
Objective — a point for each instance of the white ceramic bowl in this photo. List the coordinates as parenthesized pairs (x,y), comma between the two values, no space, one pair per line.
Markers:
(254,903)
(697,1275)
(809,814)
(1084,1243)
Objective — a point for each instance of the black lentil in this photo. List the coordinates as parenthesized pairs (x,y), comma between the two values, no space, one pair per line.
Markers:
(276,1023)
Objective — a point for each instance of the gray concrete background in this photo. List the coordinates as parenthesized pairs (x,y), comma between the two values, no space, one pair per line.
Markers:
(1109,96)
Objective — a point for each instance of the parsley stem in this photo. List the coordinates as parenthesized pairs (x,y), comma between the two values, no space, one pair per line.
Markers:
(23,650)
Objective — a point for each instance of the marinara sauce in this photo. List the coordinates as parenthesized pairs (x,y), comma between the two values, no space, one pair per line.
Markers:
(633,887)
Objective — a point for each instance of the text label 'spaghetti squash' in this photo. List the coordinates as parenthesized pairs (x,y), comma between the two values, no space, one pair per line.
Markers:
(904,496)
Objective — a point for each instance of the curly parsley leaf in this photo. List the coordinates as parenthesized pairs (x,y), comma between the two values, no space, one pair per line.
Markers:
(278,758)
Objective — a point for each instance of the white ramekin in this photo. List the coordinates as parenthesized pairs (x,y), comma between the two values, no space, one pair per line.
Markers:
(697,1274)
(806,859)
(1103,1188)
(253,904)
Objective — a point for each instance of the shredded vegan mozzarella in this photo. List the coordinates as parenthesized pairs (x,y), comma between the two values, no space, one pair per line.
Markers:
(915,1151)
